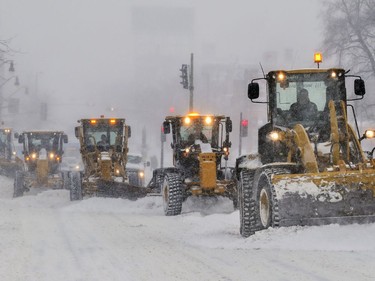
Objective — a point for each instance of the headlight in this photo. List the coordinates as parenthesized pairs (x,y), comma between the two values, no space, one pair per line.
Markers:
(33,155)
(274,136)
(117,171)
(281,76)
(141,174)
(208,120)
(51,155)
(77,167)
(370,134)
(187,150)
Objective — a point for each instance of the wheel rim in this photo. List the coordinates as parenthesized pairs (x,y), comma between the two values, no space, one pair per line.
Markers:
(264,207)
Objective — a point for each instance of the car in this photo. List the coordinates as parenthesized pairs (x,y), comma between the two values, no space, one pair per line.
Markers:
(135,168)
(71,159)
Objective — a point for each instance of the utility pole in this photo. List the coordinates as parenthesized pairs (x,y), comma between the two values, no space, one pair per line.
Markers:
(163,139)
(191,84)
(240,141)
(188,80)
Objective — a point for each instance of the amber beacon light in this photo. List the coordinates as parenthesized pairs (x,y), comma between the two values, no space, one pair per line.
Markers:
(318,58)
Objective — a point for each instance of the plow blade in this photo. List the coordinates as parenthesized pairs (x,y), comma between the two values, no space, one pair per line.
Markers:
(328,197)
(9,169)
(117,190)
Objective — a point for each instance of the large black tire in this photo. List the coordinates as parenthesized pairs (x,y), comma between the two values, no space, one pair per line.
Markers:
(75,186)
(159,182)
(19,184)
(266,211)
(246,203)
(172,194)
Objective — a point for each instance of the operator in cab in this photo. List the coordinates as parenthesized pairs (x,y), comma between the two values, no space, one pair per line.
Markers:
(303,109)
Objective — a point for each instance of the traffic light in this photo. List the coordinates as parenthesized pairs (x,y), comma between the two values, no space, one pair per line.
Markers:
(163,137)
(244,127)
(184,76)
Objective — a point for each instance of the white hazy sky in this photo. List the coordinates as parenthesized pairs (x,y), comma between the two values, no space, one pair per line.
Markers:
(88,52)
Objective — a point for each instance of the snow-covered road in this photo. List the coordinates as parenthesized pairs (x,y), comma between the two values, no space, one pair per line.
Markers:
(47,237)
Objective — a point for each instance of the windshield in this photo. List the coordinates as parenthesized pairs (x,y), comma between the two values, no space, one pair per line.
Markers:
(303,98)
(37,141)
(196,130)
(4,136)
(135,159)
(103,134)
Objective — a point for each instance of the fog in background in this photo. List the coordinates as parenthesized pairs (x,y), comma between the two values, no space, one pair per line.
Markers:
(122,58)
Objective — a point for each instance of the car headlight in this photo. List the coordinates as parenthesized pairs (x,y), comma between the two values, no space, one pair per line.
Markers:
(141,174)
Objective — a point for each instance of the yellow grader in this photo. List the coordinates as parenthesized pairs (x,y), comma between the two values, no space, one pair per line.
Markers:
(104,150)
(199,144)
(10,163)
(310,167)
(42,152)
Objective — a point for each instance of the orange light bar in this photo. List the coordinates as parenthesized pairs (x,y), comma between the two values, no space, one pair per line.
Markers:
(112,121)
(193,114)
(318,58)
(93,121)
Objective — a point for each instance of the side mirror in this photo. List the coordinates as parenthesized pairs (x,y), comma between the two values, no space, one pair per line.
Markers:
(359,87)
(16,135)
(76,132)
(253,91)
(129,131)
(166,127)
(65,138)
(228,125)
(21,138)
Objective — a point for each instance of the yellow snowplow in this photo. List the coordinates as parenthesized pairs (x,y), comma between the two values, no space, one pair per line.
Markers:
(200,142)
(310,167)
(42,152)
(104,151)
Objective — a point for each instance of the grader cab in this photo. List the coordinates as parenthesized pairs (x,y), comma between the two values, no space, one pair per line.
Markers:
(42,151)
(199,144)
(104,151)
(310,167)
